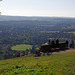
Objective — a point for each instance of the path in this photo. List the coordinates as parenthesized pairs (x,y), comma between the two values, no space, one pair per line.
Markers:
(68,50)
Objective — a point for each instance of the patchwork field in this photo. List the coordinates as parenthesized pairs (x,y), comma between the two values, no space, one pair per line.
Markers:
(55,64)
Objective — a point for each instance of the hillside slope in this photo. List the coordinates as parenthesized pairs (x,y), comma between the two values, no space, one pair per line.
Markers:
(55,64)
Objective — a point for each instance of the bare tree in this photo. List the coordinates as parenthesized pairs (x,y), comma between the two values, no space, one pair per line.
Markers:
(0,12)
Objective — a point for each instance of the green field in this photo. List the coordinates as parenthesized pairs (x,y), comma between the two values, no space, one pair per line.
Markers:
(55,64)
(21,47)
(72,32)
(49,31)
(48,25)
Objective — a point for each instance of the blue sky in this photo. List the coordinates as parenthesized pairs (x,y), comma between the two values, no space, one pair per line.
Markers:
(51,8)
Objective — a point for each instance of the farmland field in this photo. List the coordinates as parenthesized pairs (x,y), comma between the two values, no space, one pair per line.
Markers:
(48,25)
(49,31)
(55,64)
(22,47)
(72,32)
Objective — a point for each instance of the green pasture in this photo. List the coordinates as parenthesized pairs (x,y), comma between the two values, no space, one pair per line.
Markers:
(55,64)
(72,32)
(48,25)
(49,31)
(21,47)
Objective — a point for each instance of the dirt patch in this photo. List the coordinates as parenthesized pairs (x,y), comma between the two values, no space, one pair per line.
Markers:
(68,50)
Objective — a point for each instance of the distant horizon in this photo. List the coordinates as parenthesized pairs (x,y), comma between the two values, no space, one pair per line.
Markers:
(38,16)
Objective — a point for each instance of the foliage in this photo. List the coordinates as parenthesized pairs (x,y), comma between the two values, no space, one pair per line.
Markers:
(25,30)
(55,64)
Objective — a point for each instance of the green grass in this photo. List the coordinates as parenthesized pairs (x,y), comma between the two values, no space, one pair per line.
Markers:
(49,31)
(21,47)
(48,25)
(72,32)
(55,64)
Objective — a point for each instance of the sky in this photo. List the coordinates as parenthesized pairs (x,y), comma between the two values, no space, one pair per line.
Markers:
(50,8)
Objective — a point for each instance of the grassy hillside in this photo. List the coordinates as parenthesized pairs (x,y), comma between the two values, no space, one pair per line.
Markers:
(22,47)
(55,64)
